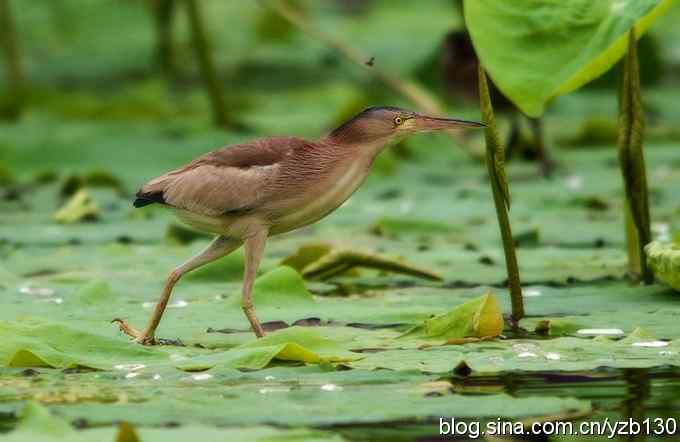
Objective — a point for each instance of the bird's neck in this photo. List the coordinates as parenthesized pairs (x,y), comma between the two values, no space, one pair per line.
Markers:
(358,149)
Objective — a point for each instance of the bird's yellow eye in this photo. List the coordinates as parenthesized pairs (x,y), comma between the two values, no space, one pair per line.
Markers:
(398,121)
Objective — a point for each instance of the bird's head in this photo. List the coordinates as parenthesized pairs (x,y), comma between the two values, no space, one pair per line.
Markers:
(385,124)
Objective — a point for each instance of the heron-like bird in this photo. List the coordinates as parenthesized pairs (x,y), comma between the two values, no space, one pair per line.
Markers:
(248,192)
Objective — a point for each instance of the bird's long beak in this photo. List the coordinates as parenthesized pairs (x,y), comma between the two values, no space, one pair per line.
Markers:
(424,122)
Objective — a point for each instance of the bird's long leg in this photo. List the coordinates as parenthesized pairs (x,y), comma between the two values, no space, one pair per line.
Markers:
(218,248)
(254,248)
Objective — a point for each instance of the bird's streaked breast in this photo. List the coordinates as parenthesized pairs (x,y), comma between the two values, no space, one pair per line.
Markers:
(320,199)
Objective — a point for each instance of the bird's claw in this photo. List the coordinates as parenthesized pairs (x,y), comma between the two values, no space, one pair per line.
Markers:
(136,335)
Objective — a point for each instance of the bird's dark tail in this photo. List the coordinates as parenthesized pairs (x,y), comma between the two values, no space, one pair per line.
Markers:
(144,199)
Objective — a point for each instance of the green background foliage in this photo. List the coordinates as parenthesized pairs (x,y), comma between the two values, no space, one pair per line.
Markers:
(101,119)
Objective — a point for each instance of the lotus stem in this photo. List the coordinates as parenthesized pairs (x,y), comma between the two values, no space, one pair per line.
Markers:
(495,158)
(632,162)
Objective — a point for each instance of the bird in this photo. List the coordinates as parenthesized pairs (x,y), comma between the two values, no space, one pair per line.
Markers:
(245,193)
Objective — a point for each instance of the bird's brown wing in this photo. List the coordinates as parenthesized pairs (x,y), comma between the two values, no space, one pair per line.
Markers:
(228,180)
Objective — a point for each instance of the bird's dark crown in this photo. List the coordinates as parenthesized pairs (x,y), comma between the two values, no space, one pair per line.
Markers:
(387,112)
(376,111)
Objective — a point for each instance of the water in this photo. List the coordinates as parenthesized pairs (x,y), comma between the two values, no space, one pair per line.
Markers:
(615,394)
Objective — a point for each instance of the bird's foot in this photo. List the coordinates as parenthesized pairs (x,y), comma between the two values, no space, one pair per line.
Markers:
(146,340)
(258,330)
(137,336)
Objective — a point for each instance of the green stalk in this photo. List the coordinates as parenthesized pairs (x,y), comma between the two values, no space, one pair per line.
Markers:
(164,13)
(207,64)
(495,158)
(632,162)
(9,44)
(632,241)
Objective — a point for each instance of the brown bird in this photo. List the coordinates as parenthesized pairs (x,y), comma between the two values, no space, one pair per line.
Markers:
(248,192)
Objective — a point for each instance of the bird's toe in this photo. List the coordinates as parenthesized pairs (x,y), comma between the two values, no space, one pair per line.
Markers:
(145,340)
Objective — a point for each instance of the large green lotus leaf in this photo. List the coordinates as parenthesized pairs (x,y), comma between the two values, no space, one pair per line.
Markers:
(282,285)
(228,268)
(276,290)
(95,293)
(36,423)
(535,50)
(36,342)
(299,344)
(327,341)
